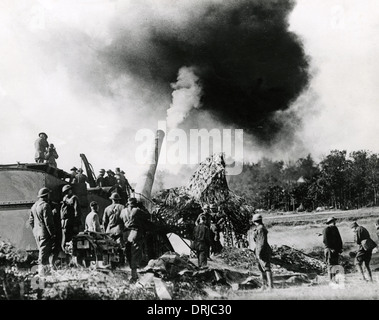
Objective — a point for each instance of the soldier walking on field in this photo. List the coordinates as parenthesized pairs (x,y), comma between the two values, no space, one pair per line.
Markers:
(262,251)
(364,252)
(333,245)
(42,223)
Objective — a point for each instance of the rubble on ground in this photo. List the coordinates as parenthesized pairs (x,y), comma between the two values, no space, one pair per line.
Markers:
(171,276)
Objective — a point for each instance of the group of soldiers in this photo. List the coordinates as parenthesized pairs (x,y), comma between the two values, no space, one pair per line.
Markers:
(45,152)
(54,225)
(334,246)
(125,223)
(207,232)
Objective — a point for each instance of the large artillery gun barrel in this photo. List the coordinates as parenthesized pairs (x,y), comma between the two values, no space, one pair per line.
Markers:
(145,184)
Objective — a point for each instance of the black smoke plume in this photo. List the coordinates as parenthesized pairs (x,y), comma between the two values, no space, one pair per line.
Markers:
(248,63)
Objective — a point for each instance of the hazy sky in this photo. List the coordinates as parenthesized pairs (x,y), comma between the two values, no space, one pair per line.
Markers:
(57,76)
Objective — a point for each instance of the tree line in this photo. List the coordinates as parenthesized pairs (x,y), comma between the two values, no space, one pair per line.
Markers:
(339,180)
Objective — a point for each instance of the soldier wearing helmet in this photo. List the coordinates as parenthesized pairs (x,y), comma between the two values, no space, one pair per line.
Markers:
(42,224)
(70,215)
(112,222)
(41,145)
(262,251)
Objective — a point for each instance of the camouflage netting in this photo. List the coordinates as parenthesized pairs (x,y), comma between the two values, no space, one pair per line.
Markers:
(179,207)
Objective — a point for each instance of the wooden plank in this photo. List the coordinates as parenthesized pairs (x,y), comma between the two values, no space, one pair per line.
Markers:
(161,289)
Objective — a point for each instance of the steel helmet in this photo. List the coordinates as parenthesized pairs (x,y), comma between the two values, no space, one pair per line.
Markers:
(43,192)
(66,188)
(115,195)
(257,217)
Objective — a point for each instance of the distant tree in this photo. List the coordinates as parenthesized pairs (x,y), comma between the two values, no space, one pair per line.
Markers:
(334,177)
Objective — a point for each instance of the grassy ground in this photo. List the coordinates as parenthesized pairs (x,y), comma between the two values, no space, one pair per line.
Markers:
(305,236)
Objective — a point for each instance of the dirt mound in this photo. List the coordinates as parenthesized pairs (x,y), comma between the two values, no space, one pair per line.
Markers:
(296,260)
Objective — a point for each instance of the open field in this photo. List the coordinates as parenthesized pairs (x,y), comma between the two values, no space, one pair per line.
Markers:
(301,231)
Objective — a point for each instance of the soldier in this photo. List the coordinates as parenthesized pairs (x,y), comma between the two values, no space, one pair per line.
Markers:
(110,179)
(41,146)
(92,219)
(112,222)
(202,241)
(42,223)
(262,251)
(135,221)
(50,156)
(217,225)
(121,175)
(81,177)
(333,245)
(364,253)
(74,172)
(70,215)
(207,213)
(119,189)
(100,180)
(57,245)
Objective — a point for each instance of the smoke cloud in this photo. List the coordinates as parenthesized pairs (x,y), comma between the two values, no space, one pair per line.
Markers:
(92,73)
(249,64)
(186,95)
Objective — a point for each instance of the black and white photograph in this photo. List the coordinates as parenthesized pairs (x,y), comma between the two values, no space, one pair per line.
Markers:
(189,154)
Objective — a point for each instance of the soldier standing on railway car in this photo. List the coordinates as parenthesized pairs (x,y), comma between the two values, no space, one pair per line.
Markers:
(100,179)
(42,223)
(41,146)
(50,156)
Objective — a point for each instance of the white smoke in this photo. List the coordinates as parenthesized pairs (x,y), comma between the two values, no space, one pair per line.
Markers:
(186,95)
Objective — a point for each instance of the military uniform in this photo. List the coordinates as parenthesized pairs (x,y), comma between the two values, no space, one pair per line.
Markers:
(361,234)
(41,146)
(50,157)
(42,222)
(202,242)
(135,220)
(262,248)
(71,217)
(333,244)
(112,222)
